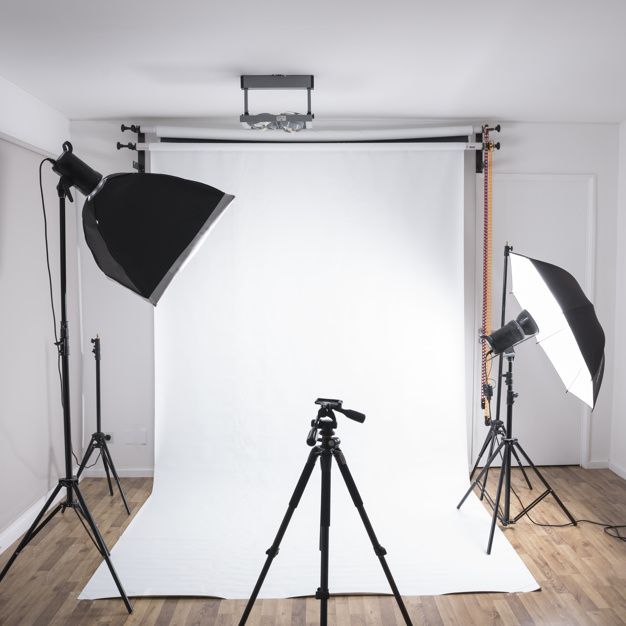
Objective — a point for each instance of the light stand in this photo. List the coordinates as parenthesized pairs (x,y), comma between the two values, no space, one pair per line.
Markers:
(502,342)
(496,427)
(73,498)
(99,439)
(327,449)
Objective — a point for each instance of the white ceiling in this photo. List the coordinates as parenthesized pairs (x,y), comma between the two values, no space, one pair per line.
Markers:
(539,60)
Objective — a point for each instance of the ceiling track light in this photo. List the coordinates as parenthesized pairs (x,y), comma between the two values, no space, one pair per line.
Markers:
(289,122)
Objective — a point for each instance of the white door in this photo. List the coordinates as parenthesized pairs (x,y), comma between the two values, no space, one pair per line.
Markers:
(552,218)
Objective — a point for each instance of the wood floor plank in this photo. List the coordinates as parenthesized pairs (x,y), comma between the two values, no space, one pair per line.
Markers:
(581,570)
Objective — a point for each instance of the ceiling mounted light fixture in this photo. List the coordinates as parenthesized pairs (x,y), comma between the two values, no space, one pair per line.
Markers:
(289,122)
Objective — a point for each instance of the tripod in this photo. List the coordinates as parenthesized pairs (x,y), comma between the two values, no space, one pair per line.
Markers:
(509,447)
(73,497)
(99,439)
(327,449)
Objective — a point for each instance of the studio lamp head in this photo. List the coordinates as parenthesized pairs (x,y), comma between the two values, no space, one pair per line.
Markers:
(76,172)
(141,228)
(512,333)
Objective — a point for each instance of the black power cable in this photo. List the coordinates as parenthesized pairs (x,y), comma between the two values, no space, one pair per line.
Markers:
(613,530)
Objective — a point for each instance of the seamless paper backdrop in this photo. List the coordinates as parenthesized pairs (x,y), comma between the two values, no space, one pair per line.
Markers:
(337,272)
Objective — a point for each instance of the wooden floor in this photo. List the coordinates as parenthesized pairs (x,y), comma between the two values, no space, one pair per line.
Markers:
(581,570)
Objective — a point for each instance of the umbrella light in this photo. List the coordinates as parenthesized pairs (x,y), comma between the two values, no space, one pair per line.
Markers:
(563,321)
(569,331)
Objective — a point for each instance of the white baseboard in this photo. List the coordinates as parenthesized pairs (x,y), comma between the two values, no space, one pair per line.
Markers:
(618,469)
(596,465)
(122,472)
(15,530)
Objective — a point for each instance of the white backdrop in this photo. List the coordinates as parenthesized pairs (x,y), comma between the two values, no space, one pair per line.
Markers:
(338,272)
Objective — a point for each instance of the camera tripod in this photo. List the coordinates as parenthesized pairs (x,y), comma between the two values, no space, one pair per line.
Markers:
(323,432)
(99,439)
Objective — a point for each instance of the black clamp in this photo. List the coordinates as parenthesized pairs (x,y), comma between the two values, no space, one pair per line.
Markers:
(140,163)
(129,145)
(133,128)
(483,134)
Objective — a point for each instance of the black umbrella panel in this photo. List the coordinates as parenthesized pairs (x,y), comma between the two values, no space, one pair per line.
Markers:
(569,331)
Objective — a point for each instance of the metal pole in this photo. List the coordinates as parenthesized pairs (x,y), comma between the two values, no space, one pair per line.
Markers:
(507,250)
(96,351)
(64,347)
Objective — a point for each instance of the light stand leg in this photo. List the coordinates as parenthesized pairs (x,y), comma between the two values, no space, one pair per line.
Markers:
(519,463)
(488,440)
(102,546)
(378,549)
(486,476)
(88,453)
(34,529)
(485,469)
(108,462)
(273,550)
(496,506)
(549,491)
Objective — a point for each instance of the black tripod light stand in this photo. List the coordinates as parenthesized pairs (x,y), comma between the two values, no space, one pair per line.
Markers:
(323,433)
(73,497)
(502,342)
(510,446)
(497,429)
(99,439)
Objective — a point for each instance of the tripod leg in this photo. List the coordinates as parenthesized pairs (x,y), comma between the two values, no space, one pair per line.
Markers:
(491,446)
(323,593)
(496,507)
(547,486)
(273,550)
(33,530)
(378,549)
(482,473)
(103,548)
(108,460)
(106,468)
(486,443)
(519,463)
(83,463)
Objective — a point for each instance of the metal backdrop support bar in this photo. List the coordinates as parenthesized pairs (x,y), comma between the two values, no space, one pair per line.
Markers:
(463,134)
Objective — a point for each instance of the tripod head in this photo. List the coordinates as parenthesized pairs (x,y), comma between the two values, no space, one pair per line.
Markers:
(326,420)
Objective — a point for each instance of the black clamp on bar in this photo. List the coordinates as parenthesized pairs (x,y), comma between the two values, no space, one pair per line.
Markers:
(140,163)
(133,128)
(479,139)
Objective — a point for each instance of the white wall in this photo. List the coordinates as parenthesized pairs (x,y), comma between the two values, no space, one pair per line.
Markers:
(577,149)
(126,323)
(31,424)
(618,429)
(29,122)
